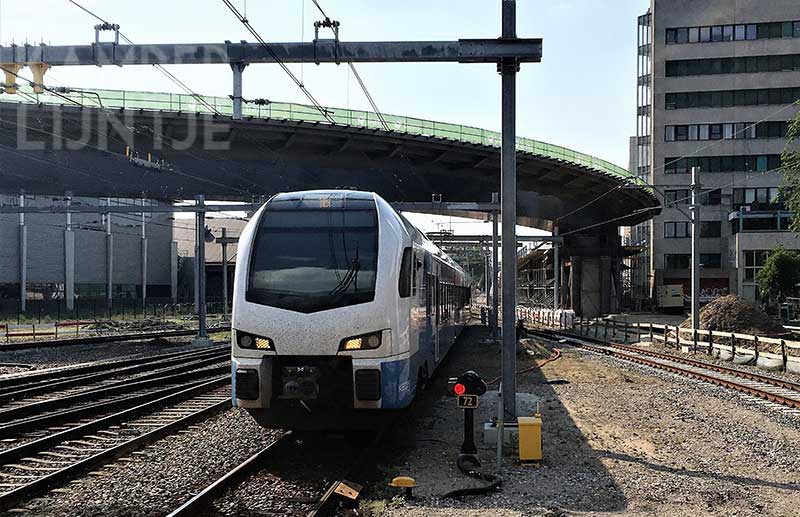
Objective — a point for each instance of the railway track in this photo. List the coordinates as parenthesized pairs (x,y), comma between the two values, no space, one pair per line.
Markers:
(33,418)
(774,390)
(343,463)
(146,368)
(40,465)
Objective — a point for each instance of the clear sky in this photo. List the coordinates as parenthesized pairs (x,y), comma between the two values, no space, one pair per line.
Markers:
(581,96)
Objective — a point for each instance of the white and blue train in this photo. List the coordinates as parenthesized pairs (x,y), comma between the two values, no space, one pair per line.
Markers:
(342,310)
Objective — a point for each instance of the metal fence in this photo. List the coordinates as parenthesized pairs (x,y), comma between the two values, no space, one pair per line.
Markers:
(123,309)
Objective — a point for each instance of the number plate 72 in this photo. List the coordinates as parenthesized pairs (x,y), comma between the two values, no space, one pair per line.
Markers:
(467,401)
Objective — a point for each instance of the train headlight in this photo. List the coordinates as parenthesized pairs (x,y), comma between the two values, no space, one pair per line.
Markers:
(252,342)
(364,342)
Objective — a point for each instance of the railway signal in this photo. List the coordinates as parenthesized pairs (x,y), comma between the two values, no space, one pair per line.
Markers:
(467,388)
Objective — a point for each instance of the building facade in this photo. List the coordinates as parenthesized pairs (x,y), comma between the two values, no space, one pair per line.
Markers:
(717,85)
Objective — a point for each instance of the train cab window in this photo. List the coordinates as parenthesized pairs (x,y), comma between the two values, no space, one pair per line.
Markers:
(406,273)
(312,255)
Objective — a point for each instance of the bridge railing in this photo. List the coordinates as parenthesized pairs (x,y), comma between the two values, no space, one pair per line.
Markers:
(175,102)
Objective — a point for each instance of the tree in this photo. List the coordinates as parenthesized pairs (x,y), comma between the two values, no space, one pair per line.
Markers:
(790,162)
(780,275)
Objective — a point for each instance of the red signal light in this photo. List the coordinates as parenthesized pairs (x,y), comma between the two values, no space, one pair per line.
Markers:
(459,389)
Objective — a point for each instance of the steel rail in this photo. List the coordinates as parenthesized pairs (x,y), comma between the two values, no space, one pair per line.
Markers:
(55,478)
(637,356)
(76,416)
(203,500)
(50,385)
(22,407)
(782,383)
(16,417)
(48,375)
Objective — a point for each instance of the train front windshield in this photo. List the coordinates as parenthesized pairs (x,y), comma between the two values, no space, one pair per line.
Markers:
(309,260)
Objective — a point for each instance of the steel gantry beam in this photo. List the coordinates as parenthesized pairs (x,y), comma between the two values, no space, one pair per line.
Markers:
(321,51)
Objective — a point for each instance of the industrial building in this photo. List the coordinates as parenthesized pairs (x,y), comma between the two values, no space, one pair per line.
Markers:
(68,258)
(717,85)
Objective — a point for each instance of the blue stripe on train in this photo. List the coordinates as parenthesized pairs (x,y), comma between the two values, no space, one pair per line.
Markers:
(396,389)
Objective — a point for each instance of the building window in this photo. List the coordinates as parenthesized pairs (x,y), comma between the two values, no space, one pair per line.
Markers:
(732,98)
(676,230)
(767,198)
(710,229)
(729,131)
(710,260)
(711,197)
(748,163)
(677,197)
(677,260)
(731,65)
(718,33)
(754,261)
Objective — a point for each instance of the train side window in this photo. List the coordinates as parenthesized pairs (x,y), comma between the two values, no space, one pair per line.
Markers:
(406,272)
(428,286)
(414,270)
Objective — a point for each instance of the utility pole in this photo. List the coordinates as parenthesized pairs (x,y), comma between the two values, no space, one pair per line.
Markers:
(695,248)
(200,234)
(508,169)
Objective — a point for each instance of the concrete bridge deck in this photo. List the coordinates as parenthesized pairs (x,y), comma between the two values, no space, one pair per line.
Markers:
(91,150)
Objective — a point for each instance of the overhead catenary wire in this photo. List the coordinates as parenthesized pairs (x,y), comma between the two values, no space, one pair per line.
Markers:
(363,86)
(651,209)
(244,21)
(158,67)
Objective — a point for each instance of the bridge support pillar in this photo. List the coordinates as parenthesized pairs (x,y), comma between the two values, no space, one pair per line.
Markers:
(595,273)
(238,69)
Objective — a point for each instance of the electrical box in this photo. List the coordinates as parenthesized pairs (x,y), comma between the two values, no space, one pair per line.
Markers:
(530,438)
(669,296)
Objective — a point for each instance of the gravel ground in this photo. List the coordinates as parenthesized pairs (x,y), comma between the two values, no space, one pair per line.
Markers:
(69,355)
(294,479)
(618,439)
(164,475)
